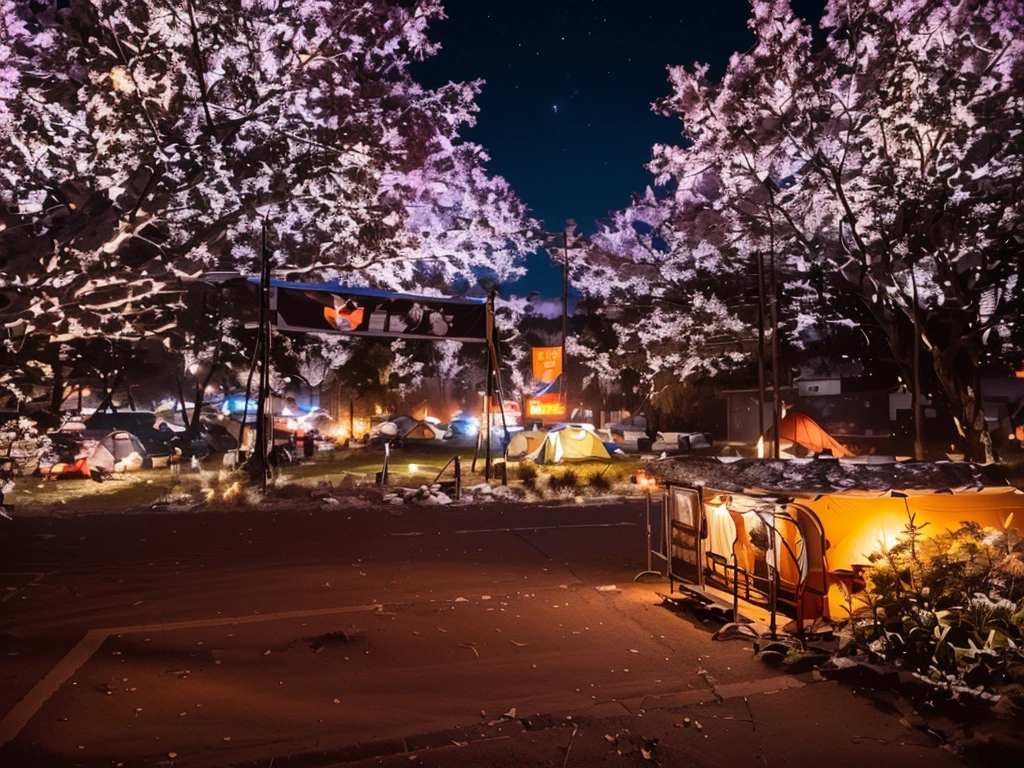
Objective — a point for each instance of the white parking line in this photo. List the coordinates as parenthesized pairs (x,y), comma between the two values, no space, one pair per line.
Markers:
(546,527)
(37,576)
(26,709)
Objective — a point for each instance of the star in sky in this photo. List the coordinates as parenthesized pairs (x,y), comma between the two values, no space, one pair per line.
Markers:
(611,57)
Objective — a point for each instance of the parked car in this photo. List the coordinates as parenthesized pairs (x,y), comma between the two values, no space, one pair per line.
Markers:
(211,439)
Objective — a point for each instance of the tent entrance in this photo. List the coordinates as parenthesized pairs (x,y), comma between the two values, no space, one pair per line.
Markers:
(763,551)
(686,529)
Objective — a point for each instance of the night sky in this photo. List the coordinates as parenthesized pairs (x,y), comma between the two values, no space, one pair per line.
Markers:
(565,112)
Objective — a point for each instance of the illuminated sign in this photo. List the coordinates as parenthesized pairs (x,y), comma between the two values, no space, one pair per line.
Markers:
(547,364)
(537,406)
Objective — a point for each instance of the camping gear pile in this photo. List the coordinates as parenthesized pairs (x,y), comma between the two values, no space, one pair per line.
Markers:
(87,454)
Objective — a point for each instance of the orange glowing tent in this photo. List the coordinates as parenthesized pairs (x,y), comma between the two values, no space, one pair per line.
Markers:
(802,429)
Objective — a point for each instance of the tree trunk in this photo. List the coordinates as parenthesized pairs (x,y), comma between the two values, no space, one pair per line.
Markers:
(957,371)
(57,392)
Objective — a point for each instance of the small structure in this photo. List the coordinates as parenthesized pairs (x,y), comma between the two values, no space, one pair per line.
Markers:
(795,535)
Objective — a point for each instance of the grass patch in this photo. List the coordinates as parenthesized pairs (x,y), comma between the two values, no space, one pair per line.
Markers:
(219,485)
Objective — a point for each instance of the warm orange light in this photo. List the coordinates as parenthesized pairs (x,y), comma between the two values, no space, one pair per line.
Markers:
(538,408)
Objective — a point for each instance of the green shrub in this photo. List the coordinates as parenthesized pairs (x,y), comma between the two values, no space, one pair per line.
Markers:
(600,482)
(526,471)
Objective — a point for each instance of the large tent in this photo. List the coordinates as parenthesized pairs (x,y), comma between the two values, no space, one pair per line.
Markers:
(816,521)
(803,430)
(570,442)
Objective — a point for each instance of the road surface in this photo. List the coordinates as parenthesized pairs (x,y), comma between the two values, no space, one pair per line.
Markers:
(366,634)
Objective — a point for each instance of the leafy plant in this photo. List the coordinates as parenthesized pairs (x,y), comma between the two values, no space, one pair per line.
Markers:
(948,608)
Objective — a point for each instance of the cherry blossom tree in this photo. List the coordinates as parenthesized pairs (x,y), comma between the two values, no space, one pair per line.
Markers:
(152,142)
(880,172)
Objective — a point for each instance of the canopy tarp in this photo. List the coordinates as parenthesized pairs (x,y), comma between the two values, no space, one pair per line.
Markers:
(803,430)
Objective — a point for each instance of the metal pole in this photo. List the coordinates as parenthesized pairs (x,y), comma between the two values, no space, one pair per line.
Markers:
(489,388)
(760,349)
(772,579)
(649,564)
(567,231)
(565,317)
(259,461)
(776,394)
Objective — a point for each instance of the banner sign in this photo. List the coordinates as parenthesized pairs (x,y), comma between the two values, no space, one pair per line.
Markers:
(547,364)
(545,405)
(365,312)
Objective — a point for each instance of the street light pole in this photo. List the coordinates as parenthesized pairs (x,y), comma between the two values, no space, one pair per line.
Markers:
(567,232)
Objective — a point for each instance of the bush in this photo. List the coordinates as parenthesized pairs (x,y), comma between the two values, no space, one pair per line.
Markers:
(949,609)
(568,480)
(600,482)
(526,471)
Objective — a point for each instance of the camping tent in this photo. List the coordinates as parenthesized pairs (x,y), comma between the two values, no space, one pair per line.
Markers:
(802,429)
(524,443)
(423,433)
(117,451)
(570,442)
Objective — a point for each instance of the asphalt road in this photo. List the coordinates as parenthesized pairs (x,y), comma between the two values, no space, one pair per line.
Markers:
(358,634)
